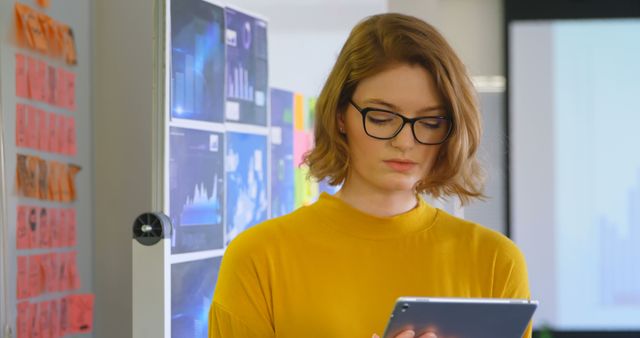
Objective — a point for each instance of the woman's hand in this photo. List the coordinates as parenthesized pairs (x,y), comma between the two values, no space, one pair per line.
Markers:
(411,334)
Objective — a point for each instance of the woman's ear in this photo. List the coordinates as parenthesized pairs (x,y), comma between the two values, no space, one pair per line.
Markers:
(341,124)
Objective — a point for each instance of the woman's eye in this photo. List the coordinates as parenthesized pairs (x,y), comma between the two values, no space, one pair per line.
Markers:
(431,124)
(379,120)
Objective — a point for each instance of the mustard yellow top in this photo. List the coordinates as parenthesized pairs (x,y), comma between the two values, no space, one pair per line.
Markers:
(329,270)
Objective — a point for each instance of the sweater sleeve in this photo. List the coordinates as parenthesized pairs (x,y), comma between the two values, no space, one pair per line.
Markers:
(224,324)
(510,276)
(241,304)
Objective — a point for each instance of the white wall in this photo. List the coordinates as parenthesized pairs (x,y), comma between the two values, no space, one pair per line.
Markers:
(472,27)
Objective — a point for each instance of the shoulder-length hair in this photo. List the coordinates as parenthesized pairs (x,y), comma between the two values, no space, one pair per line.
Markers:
(375,43)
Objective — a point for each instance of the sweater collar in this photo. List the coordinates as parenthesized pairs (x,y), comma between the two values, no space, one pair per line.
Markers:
(345,218)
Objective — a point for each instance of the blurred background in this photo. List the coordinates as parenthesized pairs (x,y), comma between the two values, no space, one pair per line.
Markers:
(202,110)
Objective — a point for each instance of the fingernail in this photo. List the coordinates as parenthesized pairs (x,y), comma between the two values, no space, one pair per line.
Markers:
(411,333)
(375,336)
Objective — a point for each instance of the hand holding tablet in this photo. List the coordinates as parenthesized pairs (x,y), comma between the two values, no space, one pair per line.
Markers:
(459,317)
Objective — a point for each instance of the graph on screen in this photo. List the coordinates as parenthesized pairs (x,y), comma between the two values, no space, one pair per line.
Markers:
(196,201)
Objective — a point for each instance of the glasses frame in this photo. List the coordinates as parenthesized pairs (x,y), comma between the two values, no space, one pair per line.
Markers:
(405,120)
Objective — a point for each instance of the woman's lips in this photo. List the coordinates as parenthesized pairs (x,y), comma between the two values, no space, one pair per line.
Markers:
(400,165)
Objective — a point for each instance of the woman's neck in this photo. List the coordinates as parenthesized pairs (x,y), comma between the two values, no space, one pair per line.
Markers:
(378,202)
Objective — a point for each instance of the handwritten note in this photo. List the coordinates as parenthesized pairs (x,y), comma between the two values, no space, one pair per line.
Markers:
(22,282)
(32,123)
(71,227)
(81,316)
(55,319)
(72,269)
(43,318)
(21,125)
(22,89)
(45,230)
(34,324)
(41,81)
(35,276)
(61,87)
(43,140)
(22,231)
(72,148)
(22,320)
(52,134)
(71,91)
(51,85)
(55,227)
(32,224)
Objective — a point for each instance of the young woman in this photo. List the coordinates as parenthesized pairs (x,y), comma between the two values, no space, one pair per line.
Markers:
(397,118)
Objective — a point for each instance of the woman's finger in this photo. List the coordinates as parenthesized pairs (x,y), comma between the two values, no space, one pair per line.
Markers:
(428,335)
(406,334)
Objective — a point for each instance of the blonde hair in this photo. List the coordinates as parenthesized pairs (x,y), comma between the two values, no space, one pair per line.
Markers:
(374,44)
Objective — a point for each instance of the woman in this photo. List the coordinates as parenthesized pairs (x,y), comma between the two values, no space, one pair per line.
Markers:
(396,118)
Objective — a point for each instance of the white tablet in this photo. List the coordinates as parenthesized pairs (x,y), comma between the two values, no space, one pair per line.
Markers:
(461,317)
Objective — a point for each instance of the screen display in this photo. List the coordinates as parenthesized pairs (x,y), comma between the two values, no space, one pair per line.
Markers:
(575,184)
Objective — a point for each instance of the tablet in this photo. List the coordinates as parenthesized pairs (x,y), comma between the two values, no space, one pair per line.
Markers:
(461,317)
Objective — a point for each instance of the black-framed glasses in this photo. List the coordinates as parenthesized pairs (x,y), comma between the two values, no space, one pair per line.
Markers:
(384,125)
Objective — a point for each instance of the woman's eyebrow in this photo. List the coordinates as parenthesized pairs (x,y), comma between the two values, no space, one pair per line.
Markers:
(393,107)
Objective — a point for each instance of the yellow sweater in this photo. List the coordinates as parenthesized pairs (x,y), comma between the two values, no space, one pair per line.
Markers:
(331,271)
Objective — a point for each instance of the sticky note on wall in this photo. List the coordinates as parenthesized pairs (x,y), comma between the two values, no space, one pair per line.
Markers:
(32,227)
(35,276)
(32,125)
(22,89)
(81,316)
(22,320)
(21,125)
(22,231)
(298,112)
(22,280)
(43,140)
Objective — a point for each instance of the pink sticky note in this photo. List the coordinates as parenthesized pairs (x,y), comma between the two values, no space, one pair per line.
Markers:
(22,282)
(43,133)
(72,148)
(71,91)
(22,320)
(32,127)
(32,77)
(299,147)
(34,324)
(21,125)
(71,227)
(72,268)
(53,135)
(22,231)
(61,126)
(55,319)
(63,228)
(63,310)
(41,78)
(44,318)
(45,271)
(63,272)
(81,316)
(51,85)
(22,90)
(61,88)
(45,230)
(32,227)
(52,273)
(35,276)
(54,227)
